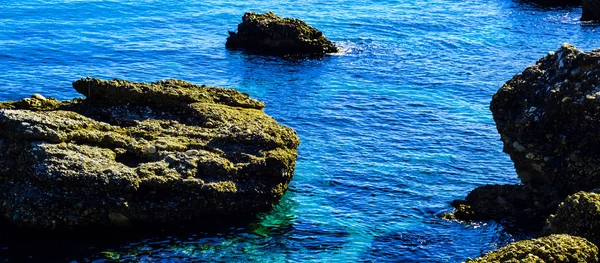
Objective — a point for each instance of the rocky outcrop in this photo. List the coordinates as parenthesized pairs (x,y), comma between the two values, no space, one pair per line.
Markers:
(551,249)
(548,117)
(136,153)
(519,204)
(578,215)
(590,10)
(269,34)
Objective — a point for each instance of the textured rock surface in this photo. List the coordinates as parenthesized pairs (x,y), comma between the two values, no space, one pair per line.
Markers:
(140,153)
(548,117)
(578,215)
(520,204)
(553,248)
(269,34)
(590,10)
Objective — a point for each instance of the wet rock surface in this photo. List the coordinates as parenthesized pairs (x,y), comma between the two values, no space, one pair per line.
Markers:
(578,215)
(518,204)
(134,153)
(269,34)
(553,248)
(548,117)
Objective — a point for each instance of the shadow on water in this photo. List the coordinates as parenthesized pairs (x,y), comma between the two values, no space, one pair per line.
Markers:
(422,243)
(199,241)
(589,26)
(20,245)
(550,5)
(250,54)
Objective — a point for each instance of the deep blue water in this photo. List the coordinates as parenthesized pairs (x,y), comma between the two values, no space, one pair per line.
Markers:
(392,130)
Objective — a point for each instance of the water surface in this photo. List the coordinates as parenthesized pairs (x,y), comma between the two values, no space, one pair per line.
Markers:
(392,129)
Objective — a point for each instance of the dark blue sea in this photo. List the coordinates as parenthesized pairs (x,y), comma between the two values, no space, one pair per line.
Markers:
(393,128)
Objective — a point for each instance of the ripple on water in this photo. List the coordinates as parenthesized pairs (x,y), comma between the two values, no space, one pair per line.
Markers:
(393,128)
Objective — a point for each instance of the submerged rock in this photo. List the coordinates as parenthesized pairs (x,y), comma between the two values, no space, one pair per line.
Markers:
(550,249)
(578,215)
(590,10)
(135,153)
(269,34)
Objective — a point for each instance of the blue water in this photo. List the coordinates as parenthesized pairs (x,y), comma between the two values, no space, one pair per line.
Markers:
(392,129)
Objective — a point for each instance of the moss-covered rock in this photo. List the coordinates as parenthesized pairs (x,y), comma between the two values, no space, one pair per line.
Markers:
(550,249)
(134,153)
(270,34)
(578,215)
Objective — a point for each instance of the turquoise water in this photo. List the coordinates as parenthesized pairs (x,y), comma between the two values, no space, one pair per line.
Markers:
(392,129)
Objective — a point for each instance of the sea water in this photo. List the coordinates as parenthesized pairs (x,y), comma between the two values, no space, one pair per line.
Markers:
(393,128)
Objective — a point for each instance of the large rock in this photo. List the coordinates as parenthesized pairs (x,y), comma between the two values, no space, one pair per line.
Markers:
(578,215)
(590,10)
(269,34)
(550,249)
(548,117)
(136,153)
(518,204)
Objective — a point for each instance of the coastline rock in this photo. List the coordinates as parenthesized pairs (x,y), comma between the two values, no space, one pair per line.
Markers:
(590,10)
(269,34)
(548,117)
(553,248)
(136,153)
(578,215)
(526,207)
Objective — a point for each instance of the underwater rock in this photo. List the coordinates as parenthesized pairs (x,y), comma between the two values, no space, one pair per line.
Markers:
(590,10)
(136,153)
(553,248)
(269,34)
(578,215)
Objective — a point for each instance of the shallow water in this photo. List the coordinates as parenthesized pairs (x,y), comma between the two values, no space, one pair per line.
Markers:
(392,129)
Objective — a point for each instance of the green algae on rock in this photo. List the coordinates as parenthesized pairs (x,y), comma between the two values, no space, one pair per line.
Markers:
(270,34)
(135,153)
(578,215)
(549,249)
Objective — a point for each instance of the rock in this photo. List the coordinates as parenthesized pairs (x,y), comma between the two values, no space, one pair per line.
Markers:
(526,207)
(121,153)
(548,117)
(38,97)
(578,215)
(553,248)
(269,34)
(119,219)
(552,111)
(590,10)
